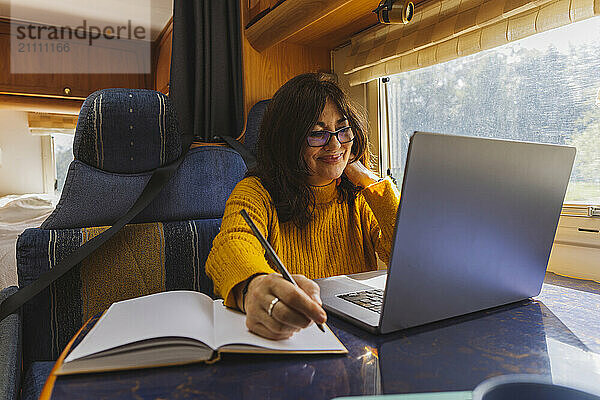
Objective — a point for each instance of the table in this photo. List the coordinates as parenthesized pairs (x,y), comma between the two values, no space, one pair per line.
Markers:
(556,334)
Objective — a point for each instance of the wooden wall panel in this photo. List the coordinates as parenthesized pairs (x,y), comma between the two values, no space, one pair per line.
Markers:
(162,58)
(265,72)
(253,9)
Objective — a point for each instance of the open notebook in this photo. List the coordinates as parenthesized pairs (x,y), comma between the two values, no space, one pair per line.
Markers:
(179,327)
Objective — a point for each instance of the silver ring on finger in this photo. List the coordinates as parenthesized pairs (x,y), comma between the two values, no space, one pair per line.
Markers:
(270,310)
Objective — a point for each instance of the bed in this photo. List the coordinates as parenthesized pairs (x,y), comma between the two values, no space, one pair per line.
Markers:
(17,213)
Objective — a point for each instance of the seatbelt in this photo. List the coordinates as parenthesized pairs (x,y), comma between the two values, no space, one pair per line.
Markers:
(247,156)
(160,176)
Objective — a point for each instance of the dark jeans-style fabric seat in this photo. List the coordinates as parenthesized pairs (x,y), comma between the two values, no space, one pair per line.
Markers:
(255,116)
(35,378)
(10,360)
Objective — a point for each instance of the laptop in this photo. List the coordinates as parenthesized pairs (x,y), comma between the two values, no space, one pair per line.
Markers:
(474,230)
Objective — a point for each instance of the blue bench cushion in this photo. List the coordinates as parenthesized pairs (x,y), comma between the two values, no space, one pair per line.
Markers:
(141,259)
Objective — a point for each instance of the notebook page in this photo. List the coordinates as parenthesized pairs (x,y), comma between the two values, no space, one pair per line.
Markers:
(230,328)
(168,314)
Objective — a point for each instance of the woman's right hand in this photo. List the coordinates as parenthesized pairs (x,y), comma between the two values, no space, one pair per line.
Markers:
(296,309)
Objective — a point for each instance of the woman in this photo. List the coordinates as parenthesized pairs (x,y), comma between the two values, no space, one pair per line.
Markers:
(314,200)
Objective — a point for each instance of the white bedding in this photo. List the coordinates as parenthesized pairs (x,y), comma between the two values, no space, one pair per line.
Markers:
(17,213)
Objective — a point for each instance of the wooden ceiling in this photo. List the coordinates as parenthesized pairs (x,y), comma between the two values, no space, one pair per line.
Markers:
(316,23)
(338,27)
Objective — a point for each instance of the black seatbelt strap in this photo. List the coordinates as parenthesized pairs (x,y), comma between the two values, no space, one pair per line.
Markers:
(247,156)
(157,181)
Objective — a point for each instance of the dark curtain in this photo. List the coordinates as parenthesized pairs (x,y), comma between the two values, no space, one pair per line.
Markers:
(206,67)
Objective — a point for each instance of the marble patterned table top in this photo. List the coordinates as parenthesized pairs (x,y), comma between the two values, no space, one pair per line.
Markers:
(556,334)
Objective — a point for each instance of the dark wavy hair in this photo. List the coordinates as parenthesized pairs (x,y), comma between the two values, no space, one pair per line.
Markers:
(290,116)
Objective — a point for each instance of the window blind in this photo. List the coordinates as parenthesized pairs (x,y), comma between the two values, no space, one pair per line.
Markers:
(444,30)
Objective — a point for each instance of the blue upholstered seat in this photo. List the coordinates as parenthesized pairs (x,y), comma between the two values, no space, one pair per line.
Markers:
(35,378)
(10,351)
(253,122)
(199,189)
(121,136)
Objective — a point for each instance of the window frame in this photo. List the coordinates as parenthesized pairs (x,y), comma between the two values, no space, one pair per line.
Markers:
(48,163)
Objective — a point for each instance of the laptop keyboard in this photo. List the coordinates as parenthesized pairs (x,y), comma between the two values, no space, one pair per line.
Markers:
(370,299)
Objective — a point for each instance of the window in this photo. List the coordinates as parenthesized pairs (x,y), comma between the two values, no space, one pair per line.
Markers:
(63,155)
(544,88)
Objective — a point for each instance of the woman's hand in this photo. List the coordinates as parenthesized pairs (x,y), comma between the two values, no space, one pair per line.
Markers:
(296,309)
(360,175)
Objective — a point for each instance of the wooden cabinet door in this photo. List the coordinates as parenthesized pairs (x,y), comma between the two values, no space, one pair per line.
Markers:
(78,85)
(162,54)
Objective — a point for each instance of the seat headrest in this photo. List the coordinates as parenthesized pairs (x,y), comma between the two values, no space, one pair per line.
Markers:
(127,131)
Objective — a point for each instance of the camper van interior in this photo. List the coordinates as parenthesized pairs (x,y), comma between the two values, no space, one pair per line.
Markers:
(132,135)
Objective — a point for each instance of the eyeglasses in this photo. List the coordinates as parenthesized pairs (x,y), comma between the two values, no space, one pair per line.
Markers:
(322,138)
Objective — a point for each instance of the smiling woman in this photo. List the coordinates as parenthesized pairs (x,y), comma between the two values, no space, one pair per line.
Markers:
(322,210)
(327,158)
(304,105)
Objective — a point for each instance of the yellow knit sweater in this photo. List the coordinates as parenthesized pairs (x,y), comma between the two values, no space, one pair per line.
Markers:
(328,245)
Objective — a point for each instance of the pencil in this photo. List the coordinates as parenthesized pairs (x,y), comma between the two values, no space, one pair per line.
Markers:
(272,255)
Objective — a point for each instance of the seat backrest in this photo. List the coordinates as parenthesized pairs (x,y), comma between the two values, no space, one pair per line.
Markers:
(198,189)
(253,122)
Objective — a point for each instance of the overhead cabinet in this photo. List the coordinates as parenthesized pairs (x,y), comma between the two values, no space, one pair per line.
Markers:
(73,85)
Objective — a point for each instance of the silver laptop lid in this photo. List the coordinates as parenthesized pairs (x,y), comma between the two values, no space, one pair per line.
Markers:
(475,226)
